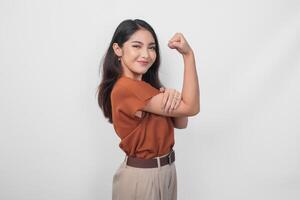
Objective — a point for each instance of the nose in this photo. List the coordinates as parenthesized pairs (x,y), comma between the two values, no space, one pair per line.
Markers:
(145,53)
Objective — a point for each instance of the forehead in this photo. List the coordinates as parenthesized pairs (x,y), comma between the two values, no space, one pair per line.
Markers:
(143,36)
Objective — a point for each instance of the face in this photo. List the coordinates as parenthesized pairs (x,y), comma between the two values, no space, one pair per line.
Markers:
(137,54)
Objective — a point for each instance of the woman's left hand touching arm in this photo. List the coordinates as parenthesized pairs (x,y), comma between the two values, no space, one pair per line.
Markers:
(171,101)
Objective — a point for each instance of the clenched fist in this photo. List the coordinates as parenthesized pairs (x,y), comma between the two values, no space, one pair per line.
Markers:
(179,43)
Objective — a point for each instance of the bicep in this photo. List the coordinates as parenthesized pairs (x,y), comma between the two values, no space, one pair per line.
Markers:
(153,105)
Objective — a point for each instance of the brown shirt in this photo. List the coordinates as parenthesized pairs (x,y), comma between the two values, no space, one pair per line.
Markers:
(146,137)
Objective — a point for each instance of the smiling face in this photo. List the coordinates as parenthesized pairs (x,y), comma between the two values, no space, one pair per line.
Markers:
(137,54)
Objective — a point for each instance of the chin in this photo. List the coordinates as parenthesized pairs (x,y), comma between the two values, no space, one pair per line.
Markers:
(143,71)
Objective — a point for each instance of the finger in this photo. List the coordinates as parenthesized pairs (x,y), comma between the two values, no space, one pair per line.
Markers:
(175,41)
(178,100)
(173,104)
(176,37)
(164,100)
(176,105)
(168,106)
(174,45)
(170,101)
(175,100)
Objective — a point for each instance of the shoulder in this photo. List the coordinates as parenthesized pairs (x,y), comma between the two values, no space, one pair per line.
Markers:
(120,88)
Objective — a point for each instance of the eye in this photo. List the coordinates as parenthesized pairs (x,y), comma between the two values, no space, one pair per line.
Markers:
(136,46)
(153,48)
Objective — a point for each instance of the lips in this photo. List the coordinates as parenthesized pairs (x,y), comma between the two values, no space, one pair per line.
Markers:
(143,62)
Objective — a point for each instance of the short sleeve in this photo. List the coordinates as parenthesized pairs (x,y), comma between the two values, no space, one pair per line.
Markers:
(132,96)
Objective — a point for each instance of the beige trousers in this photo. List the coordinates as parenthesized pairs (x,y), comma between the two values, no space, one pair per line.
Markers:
(131,183)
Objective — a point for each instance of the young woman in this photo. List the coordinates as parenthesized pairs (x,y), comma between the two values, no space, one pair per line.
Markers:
(143,113)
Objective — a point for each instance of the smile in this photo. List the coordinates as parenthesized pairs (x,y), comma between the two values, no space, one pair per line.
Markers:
(143,63)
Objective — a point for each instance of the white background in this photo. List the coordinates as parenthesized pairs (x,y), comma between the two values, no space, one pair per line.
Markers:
(55,143)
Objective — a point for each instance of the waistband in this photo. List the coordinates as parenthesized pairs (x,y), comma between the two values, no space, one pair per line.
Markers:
(151,163)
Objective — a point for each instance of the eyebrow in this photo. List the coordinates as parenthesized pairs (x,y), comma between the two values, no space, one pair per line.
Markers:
(142,43)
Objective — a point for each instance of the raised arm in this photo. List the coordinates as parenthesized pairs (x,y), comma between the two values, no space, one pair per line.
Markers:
(190,102)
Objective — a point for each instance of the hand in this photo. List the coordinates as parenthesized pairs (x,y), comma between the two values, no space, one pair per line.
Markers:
(179,43)
(171,99)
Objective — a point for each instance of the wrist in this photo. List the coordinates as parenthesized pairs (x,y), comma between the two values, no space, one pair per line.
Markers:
(188,54)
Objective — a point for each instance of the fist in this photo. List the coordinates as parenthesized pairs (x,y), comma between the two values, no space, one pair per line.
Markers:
(179,43)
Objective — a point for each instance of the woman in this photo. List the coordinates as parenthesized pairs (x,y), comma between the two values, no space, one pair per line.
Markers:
(143,113)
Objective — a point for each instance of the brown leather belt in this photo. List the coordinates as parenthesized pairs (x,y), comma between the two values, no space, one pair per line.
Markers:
(151,163)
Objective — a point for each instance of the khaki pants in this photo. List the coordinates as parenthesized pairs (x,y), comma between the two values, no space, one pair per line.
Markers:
(131,183)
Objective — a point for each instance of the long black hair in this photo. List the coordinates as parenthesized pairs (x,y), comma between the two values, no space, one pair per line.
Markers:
(112,69)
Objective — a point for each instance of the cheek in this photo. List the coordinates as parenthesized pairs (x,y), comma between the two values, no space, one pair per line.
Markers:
(153,56)
(133,55)
(130,56)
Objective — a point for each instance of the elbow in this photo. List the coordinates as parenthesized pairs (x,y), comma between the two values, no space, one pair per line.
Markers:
(194,111)
(180,122)
(182,126)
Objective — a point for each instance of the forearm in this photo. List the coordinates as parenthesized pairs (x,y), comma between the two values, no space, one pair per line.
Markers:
(180,122)
(190,90)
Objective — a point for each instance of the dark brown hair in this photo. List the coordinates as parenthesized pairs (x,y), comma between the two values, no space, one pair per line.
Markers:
(112,69)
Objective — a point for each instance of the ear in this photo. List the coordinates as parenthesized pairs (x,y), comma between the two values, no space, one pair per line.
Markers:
(118,51)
